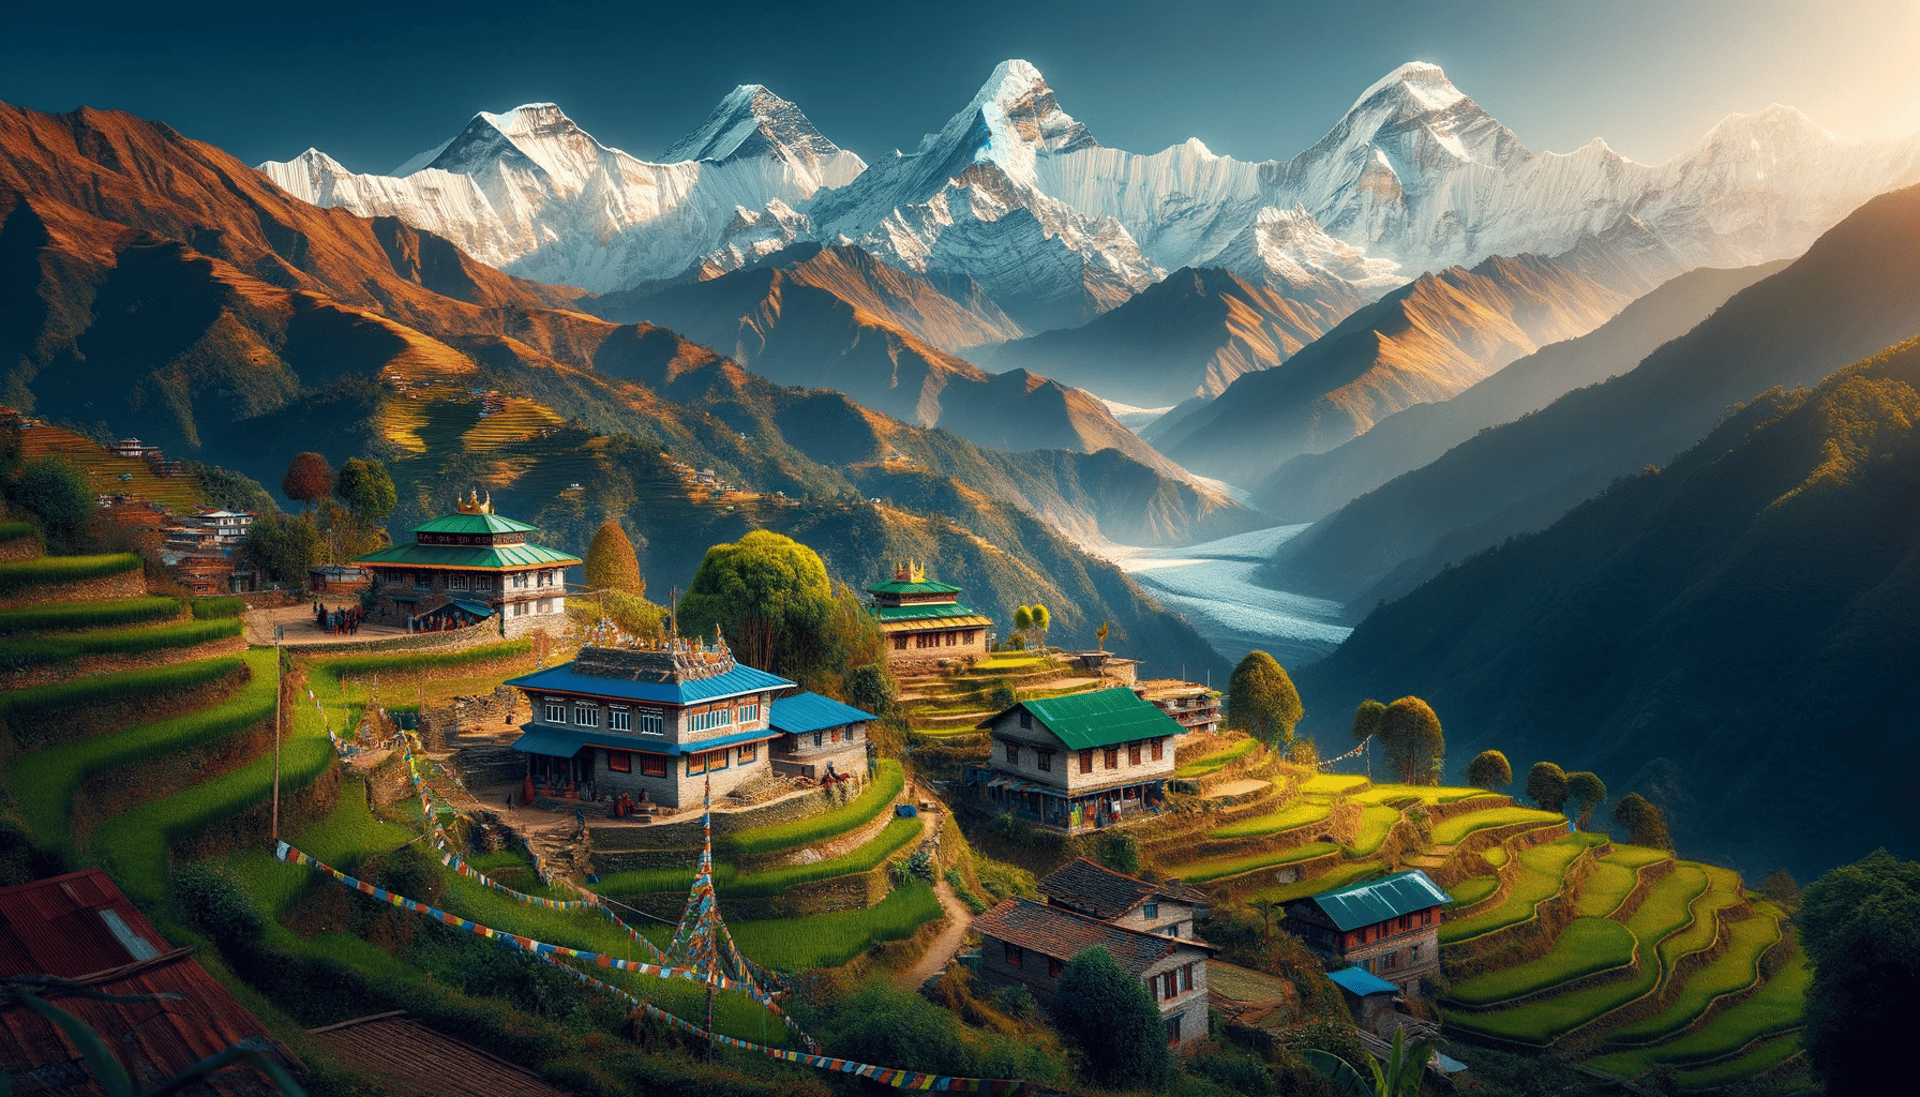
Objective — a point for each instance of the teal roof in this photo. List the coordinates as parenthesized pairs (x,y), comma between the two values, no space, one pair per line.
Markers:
(804,712)
(467,556)
(1103,718)
(1378,900)
(1360,981)
(927,611)
(475,523)
(901,586)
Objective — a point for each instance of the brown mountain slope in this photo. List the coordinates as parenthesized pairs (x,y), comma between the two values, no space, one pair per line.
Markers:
(1314,484)
(836,318)
(1426,341)
(1192,334)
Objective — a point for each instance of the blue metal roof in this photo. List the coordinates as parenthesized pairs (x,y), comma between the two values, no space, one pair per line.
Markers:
(563,679)
(478,609)
(536,739)
(1378,900)
(804,712)
(1360,981)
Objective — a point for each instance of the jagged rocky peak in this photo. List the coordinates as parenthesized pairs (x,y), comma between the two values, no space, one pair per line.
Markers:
(1417,100)
(540,132)
(1016,102)
(753,122)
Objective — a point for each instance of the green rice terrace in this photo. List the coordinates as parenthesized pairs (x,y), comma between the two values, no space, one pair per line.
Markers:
(1619,957)
(141,742)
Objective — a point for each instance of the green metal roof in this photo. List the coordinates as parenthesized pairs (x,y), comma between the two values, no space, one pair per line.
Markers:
(1378,900)
(915,613)
(468,556)
(901,586)
(1103,718)
(474,523)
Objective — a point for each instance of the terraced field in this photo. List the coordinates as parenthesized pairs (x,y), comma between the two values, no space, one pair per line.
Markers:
(1451,832)
(1542,872)
(1587,946)
(111,474)
(1303,813)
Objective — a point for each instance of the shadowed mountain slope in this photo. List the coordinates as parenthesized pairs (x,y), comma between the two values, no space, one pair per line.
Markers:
(1733,633)
(1856,290)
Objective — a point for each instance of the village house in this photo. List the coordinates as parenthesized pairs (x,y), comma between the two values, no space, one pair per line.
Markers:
(657,721)
(469,567)
(230,527)
(1076,762)
(925,622)
(1101,663)
(1099,892)
(1024,943)
(819,737)
(1191,705)
(337,579)
(1388,927)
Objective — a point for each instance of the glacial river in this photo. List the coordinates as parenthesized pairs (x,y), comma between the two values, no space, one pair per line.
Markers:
(1211,585)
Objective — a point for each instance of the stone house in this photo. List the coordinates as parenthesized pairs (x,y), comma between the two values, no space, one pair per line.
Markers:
(1024,943)
(819,736)
(1099,892)
(1076,762)
(1193,706)
(469,567)
(1389,927)
(655,722)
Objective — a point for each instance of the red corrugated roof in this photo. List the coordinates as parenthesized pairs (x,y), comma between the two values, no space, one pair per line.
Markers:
(80,925)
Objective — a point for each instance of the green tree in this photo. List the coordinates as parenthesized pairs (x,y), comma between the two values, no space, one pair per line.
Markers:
(367,490)
(1399,1078)
(1100,635)
(1782,889)
(1413,741)
(1366,719)
(768,593)
(309,478)
(1646,825)
(57,492)
(1489,770)
(1860,925)
(1547,785)
(1111,1018)
(611,564)
(871,688)
(1120,851)
(1262,702)
(1022,618)
(283,547)
(231,490)
(1042,621)
(1589,791)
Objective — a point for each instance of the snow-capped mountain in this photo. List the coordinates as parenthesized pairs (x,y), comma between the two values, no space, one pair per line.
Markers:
(968,201)
(532,193)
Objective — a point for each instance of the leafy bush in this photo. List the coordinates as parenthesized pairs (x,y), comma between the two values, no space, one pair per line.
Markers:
(966,894)
(1017,1002)
(1110,1016)
(213,609)
(1120,852)
(40,701)
(30,651)
(887,783)
(76,615)
(44,781)
(216,902)
(41,570)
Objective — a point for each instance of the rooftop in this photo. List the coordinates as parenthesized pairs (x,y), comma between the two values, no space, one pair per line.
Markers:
(1378,900)
(957,613)
(80,926)
(464,556)
(673,671)
(1101,718)
(1360,981)
(1100,892)
(1062,934)
(804,712)
(911,578)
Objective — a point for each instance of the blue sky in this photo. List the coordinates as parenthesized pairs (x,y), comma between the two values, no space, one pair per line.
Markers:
(375,83)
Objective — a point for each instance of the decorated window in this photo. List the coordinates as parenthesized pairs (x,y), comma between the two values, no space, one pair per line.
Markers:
(749,713)
(652,722)
(456,582)
(619,761)
(556,711)
(653,765)
(1159,749)
(1133,754)
(708,761)
(619,719)
(587,716)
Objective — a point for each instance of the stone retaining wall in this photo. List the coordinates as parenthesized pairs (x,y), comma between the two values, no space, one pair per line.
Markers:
(630,842)
(472,636)
(20,548)
(99,588)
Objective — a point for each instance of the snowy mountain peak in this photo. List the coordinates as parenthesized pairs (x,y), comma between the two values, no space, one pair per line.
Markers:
(533,135)
(1020,117)
(1422,85)
(754,122)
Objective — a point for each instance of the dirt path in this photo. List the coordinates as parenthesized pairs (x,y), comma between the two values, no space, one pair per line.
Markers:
(951,936)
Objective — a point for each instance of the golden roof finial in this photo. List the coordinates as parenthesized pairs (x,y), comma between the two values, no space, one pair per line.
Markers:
(472,504)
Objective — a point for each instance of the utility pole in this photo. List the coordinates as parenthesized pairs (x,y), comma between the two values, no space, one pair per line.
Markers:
(279,696)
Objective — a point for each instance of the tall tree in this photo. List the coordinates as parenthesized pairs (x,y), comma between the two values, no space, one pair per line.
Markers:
(611,564)
(1042,621)
(769,594)
(1489,770)
(1261,700)
(309,478)
(1547,785)
(366,489)
(1860,925)
(1589,791)
(1645,824)
(1415,745)
(283,547)
(1366,719)
(56,491)
(1022,618)
(1111,1018)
